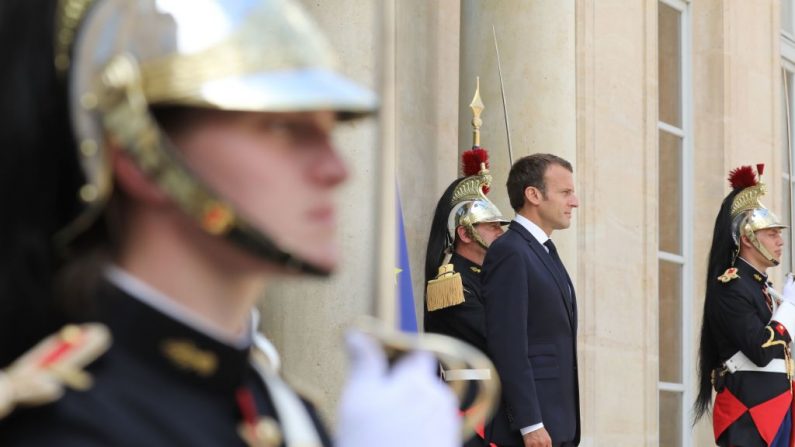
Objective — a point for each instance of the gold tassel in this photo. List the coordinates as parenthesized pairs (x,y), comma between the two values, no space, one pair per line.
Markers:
(446,290)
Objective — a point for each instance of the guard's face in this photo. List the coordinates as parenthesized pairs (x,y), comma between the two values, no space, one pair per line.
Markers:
(489,231)
(772,240)
(279,170)
(556,208)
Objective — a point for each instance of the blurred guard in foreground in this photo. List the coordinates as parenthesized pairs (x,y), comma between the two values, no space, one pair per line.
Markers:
(162,161)
(747,329)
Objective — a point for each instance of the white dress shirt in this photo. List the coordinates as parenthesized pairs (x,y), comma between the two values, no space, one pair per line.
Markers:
(534,229)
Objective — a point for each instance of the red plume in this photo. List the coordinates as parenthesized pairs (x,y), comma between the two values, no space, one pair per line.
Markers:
(760,169)
(471,161)
(742,177)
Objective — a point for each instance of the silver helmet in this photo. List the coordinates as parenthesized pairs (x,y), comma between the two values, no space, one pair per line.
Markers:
(470,207)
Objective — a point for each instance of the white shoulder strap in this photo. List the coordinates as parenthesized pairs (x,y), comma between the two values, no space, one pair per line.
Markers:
(298,429)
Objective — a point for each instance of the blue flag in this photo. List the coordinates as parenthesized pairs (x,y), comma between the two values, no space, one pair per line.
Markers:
(408,318)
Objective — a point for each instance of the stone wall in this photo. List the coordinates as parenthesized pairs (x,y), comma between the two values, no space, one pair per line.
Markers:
(581,82)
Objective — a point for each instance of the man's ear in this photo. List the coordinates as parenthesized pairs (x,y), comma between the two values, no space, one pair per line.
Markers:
(463,235)
(131,180)
(532,195)
(745,242)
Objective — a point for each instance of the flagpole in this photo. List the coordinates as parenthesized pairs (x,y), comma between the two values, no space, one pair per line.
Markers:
(385,300)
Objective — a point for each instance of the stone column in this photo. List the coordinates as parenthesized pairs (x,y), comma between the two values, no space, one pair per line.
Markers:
(617,148)
(537,50)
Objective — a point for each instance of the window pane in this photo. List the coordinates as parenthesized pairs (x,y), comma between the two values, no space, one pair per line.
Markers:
(669,65)
(670,193)
(670,322)
(786,15)
(670,419)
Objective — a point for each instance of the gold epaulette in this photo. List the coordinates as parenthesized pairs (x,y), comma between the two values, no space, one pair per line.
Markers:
(446,290)
(39,376)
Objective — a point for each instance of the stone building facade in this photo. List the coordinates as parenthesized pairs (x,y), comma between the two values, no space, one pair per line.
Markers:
(653,101)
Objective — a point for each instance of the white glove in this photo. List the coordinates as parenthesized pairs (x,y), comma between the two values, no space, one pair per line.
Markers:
(788,292)
(406,405)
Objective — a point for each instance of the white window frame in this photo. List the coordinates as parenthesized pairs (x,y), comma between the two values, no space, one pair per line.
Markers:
(685,260)
(787,53)
(787,48)
(789,67)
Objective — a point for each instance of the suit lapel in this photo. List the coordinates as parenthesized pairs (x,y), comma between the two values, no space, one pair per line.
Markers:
(546,259)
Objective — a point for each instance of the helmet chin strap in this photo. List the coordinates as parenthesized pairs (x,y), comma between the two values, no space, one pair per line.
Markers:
(127,118)
(473,234)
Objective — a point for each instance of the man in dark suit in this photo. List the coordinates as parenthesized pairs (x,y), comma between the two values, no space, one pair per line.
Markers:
(531,311)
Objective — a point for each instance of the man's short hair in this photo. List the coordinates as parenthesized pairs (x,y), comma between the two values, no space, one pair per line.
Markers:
(529,171)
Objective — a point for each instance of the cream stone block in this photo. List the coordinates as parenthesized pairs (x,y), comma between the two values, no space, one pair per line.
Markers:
(618,221)
(618,383)
(617,140)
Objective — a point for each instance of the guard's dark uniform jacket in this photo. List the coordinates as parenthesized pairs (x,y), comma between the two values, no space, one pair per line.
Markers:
(160,384)
(465,321)
(750,406)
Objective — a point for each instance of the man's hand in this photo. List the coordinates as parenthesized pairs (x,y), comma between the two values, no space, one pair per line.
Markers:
(537,438)
(399,406)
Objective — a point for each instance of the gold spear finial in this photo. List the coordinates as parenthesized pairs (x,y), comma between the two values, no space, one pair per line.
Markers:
(477,108)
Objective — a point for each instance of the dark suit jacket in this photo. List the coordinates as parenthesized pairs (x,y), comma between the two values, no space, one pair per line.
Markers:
(531,335)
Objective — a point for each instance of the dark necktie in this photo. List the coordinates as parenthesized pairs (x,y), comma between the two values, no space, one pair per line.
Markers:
(553,252)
